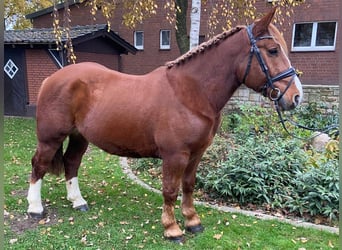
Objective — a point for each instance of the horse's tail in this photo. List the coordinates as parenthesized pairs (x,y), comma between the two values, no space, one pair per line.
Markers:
(57,165)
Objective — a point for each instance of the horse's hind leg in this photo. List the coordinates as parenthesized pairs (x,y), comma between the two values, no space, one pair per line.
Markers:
(72,160)
(48,158)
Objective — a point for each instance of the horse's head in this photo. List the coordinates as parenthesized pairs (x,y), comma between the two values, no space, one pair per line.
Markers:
(267,68)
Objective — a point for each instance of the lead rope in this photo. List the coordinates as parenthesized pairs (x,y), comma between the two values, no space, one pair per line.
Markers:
(320,130)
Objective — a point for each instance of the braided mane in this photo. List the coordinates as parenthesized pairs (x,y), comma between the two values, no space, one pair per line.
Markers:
(203,46)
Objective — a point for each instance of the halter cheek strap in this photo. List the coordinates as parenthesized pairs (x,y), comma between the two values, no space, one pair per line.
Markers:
(269,80)
(275,93)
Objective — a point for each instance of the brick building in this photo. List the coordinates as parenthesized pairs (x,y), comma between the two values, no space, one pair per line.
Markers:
(31,56)
(313,38)
(319,63)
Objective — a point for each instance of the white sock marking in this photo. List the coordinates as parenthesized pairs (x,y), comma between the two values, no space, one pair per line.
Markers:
(34,198)
(74,193)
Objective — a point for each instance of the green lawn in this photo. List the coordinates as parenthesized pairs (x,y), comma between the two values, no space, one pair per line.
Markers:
(122,214)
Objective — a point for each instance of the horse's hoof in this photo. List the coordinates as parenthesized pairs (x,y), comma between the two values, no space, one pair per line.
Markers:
(37,216)
(176,239)
(195,229)
(82,208)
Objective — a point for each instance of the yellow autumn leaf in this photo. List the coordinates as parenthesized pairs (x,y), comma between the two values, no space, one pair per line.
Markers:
(330,244)
(218,236)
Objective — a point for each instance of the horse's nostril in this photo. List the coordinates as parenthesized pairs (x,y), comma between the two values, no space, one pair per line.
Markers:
(296,100)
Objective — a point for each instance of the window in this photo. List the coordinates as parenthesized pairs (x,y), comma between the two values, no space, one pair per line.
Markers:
(165,39)
(315,36)
(57,57)
(139,40)
(10,68)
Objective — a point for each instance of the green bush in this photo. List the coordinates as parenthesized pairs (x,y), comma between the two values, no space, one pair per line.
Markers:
(261,164)
(316,115)
(316,191)
(258,172)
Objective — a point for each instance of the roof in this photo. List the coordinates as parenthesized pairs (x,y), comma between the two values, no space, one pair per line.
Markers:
(50,9)
(78,35)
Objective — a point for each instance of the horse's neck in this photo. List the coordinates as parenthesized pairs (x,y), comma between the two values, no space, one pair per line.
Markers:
(211,76)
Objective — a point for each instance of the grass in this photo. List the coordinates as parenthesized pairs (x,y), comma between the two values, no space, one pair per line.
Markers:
(122,214)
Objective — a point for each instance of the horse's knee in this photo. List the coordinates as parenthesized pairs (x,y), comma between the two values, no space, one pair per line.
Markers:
(170,195)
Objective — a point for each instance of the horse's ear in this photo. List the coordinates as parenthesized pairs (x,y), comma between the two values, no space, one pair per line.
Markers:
(261,25)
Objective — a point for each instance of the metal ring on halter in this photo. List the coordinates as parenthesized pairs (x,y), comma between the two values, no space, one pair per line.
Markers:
(278,94)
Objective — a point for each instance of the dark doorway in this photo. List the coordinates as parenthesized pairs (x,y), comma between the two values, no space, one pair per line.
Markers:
(15,90)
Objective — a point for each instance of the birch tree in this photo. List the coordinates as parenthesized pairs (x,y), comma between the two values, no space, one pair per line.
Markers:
(195,19)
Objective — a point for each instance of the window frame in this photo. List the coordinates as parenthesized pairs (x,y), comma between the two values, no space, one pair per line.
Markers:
(312,46)
(161,45)
(55,54)
(138,47)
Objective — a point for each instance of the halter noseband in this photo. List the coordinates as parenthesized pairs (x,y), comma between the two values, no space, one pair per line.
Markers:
(275,93)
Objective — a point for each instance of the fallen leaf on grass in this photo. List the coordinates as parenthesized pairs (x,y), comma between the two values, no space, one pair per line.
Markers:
(71,220)
(302,239)
(218,236)
(129,237)
(84,239)
(44,221)
(12,241)
(330,244)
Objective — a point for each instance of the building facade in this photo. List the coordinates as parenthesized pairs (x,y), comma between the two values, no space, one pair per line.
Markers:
(314,21)
(313,37)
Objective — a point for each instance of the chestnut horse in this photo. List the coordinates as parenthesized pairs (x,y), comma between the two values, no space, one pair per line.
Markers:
(171,113)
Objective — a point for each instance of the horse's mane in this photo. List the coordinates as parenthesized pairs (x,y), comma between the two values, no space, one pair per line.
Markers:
(203,46)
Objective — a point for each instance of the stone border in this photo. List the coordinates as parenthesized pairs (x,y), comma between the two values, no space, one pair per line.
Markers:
(298,223)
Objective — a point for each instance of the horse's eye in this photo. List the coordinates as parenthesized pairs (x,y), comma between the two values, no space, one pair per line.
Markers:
(273,52)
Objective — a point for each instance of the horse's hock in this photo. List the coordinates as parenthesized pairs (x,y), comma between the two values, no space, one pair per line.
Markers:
(328,94)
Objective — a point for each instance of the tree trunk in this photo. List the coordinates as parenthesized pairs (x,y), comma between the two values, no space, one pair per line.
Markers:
(195,18)
(181,31)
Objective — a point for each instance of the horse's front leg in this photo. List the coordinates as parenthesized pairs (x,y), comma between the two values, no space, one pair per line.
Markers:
(192,220)
(173,169)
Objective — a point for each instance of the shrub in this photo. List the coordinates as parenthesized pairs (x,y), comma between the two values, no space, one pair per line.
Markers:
(261,164)
(316,115)
(316,191)
(257,172)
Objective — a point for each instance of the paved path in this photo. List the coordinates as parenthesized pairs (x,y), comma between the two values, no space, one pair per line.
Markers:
(298,223)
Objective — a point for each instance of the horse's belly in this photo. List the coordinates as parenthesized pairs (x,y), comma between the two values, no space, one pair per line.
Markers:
(129,145)
(129,152)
